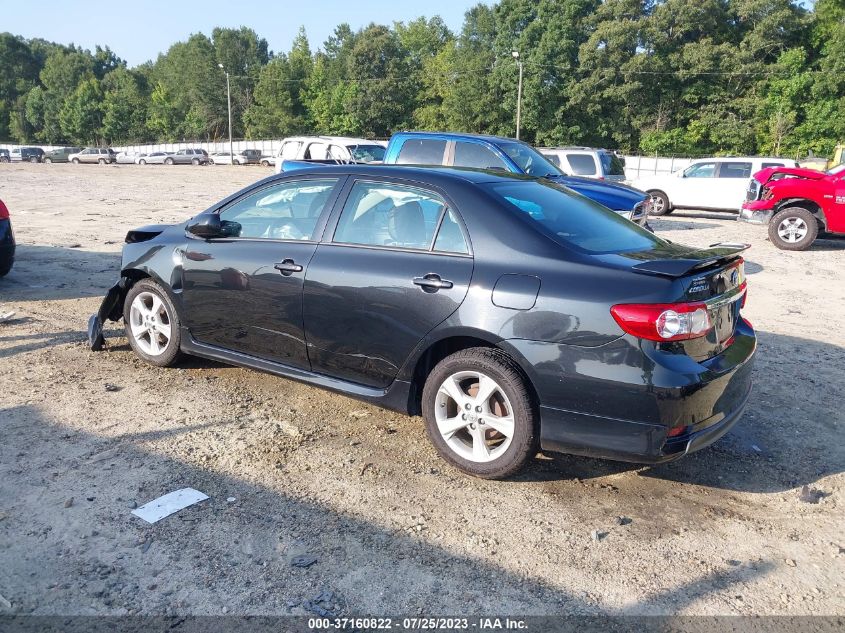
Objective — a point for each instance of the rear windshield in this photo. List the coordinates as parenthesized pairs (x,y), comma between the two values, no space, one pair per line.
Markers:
(611,164)
(366,153)
(529,160)
(573,220)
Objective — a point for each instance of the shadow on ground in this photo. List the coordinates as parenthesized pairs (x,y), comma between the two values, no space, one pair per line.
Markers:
(46,273)
(91,555)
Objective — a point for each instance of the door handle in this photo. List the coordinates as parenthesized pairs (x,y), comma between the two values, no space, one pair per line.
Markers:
(432,282)
(288,267)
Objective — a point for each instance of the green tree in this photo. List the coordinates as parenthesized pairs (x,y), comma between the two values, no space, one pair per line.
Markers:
(124,106)
(163,117)
(81,115)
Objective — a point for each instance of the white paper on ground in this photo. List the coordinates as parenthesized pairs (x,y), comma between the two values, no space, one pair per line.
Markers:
(172,502)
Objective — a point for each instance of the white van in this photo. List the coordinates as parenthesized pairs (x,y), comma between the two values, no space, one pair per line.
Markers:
(341,149)
(707,183)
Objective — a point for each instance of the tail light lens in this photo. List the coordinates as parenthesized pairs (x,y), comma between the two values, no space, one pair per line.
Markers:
(663,321)
(4,212)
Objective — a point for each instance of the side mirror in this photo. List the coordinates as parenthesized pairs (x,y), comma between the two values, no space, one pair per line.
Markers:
(206,226)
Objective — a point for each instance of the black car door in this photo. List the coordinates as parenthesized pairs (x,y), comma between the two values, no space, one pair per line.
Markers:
(243,292)
(394,264)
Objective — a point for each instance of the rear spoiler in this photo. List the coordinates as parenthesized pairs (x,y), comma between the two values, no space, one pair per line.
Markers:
(716,255)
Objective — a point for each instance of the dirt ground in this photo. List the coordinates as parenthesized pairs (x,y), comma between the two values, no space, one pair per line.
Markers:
(294,470)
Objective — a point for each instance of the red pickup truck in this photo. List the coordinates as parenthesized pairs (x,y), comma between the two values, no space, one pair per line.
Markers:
(797,204)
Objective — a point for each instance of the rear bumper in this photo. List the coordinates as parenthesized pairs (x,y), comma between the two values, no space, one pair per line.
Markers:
(620,401)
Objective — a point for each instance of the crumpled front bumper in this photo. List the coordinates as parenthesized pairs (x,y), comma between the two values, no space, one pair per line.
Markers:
(756,212)
(111,308)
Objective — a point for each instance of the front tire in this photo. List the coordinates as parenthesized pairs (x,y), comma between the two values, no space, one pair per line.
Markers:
(6,266)
(75,161)
(142,162)
(195,162)
(660,204)
(48,160)
(793,229)
(168,161)
(479,413)
(102,161)
(152,324)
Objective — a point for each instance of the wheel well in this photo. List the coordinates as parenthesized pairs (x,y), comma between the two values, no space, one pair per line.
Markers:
(437,352)
(809,205)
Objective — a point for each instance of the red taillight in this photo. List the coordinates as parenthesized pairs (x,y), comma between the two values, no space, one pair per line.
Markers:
(663,321)
(4,212)
(676,431)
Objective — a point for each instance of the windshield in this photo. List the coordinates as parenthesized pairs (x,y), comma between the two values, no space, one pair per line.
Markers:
(573,220)
(366,153)
(529,160)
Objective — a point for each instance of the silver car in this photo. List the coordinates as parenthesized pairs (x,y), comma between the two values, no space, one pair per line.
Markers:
(102,155)
(155,158)
(189,157)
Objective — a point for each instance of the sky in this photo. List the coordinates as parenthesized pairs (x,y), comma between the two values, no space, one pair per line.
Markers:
(139,31)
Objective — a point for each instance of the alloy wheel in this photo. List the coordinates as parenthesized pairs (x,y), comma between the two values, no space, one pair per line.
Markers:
(474,416)
(792,229)
(150,323)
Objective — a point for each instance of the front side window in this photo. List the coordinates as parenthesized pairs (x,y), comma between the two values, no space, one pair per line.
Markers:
(553,159)
(767,165)
(735,170)
(388,214)
(572,220)
(582,164)
(422,151)
(478,156)
(701,170)
(284,211)
(337,153)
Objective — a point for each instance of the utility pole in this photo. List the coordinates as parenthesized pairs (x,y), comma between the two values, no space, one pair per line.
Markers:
(518,94)
(229,101)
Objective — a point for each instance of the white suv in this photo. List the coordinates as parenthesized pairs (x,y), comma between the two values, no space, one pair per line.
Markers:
(707,183)
(600,164)
(330,149)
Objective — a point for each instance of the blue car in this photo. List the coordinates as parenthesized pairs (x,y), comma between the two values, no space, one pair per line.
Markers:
(506,154)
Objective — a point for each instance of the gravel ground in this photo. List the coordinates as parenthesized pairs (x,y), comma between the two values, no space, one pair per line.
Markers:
(292,470)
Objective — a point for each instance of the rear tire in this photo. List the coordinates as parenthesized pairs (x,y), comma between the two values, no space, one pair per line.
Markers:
(195,162)
(48,160)
(168,161)
(152,324)
(102,161)
(490,435)
(793,229)
(33,159)
(142,162)
(6,266)
(660,204)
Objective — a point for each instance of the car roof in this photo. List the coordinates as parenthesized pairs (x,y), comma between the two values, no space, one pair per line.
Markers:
(351,140)
(456,136)
(433,174)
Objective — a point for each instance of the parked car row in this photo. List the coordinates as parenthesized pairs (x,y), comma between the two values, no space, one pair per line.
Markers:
(106,155)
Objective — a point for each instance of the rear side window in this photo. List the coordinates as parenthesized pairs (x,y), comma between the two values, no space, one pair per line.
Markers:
(478,156)
(582,164)
(389,214)
(735,170)
(422,151)
(450,238)
(572,220)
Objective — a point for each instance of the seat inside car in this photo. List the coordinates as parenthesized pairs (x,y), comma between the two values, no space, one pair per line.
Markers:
(406,224)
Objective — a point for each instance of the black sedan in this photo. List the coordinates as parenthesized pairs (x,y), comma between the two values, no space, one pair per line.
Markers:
(512,313)
(7,241)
